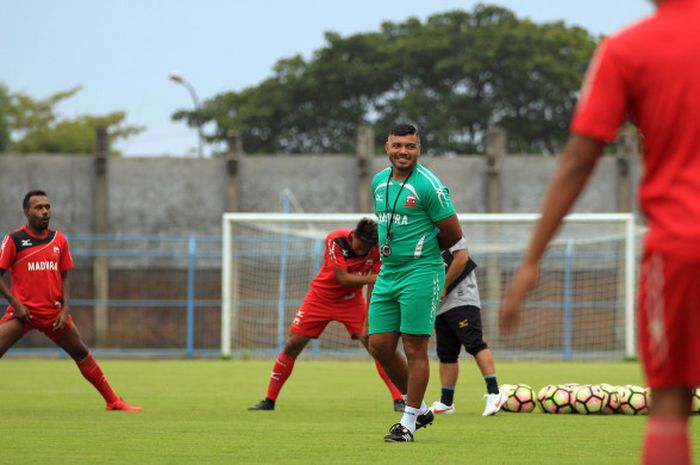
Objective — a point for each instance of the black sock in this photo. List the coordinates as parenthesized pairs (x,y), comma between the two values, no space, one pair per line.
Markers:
(491,384)
(448,395)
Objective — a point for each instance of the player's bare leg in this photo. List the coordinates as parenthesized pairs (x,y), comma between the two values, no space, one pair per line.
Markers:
(494,398)
(295,344)
(382,347)
(449,373)
(396,395)
(416,413)
(416,349)
(10,333)
(73,344)
(484,360)
(666,438)
(282,370)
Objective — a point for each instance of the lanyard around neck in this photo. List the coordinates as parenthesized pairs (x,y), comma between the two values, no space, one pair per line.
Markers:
(393,210)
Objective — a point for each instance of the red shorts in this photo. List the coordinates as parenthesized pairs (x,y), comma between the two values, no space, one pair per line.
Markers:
(42,322)
(316,312)
(669,320)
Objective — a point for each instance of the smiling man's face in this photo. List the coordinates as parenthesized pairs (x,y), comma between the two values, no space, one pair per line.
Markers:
(403,153)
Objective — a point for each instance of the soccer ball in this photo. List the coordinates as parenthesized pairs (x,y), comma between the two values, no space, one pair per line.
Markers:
(589,398)
(556,399)
(521,398)
(695,403)
(633,400)
(613,399)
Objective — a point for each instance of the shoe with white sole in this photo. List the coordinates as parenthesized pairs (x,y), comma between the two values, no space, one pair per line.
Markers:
(494,402)
(439,408)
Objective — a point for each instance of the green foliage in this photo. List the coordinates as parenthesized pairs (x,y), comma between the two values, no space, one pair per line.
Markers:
(452,75)
(38,129)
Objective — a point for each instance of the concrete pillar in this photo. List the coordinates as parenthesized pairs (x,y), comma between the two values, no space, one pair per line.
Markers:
(365,152)
(100,265)
(233,189)
(626,147)
(233,167)
(495,151)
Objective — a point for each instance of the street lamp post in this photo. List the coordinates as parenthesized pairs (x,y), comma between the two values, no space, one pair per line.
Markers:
(177,78)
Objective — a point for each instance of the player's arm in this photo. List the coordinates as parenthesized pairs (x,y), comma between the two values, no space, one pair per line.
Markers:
(459,262)
(345,278)
(62,317)
(450,232)
(570,176)
(368,292)
(20,311)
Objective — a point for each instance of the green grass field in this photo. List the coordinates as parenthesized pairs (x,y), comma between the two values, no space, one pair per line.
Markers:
(330,412)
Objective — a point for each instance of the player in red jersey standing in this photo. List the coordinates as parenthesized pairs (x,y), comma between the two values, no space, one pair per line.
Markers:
(39,259)
(351,261)
(651,73)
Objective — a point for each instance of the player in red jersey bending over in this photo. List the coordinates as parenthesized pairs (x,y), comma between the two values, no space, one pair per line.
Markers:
(351,261)
(38,259)
(651,72)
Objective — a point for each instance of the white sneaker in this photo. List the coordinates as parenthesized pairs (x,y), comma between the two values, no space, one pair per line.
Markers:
(438,408)
(494,402)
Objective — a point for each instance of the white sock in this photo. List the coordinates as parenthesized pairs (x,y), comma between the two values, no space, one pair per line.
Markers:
(409,418)
(423,405)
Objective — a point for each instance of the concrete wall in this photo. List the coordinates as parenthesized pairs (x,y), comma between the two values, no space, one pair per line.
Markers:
(188,196)
(68,179)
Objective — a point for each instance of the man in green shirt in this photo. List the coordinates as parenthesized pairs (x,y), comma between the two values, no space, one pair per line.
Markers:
(416,221)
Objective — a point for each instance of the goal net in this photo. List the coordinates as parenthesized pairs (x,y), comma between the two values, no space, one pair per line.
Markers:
(582,306)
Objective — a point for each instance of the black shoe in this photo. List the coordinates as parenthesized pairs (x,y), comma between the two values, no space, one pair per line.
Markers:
(398,433)
(399,405)
(425,419)
(265,404)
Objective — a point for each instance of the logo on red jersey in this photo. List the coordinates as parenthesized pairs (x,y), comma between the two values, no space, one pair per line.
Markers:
(410,201)
(56,251)
(44,265)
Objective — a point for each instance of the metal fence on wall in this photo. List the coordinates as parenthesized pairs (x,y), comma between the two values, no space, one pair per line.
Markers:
(163,298)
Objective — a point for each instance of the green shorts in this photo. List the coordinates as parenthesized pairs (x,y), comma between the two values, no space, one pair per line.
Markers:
(405,299)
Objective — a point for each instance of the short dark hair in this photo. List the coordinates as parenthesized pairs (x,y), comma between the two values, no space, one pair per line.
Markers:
(403,130)
(29,195)
(366,231)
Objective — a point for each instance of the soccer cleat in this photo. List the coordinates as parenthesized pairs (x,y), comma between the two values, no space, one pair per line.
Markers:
(399,405)
(494,402)
(121,405)
(439,408)
(398,433)
(265,404)
(424,419)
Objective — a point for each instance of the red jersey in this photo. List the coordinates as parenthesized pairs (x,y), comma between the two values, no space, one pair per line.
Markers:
(35,265)
(339,255)
(650,72)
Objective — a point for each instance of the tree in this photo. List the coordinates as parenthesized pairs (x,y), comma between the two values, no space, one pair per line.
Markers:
(36,128)
(452,75)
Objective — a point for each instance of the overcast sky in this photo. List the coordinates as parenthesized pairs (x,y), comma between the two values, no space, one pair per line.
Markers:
(122,52)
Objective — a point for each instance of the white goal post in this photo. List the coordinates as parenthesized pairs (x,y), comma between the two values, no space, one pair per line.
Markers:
(582,306)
